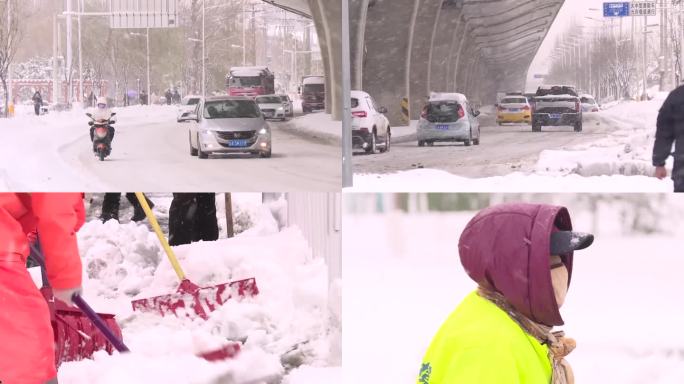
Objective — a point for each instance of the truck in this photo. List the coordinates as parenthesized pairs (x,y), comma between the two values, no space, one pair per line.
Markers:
(312,93)
(250,81)
(557,105)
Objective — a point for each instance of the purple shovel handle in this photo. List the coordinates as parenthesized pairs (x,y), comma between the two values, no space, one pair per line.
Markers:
(99,323)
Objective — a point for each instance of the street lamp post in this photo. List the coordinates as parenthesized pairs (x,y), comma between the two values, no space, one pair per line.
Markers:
(204,54)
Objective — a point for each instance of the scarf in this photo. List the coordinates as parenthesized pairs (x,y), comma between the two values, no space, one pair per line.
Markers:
(559,345)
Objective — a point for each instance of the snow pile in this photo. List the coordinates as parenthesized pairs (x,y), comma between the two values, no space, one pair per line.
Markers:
(317,125)
(621,306)
(283,328)
(626,151)
(432,180)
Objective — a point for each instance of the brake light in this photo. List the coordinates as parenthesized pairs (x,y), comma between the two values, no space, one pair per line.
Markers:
(359,114)
(526,108)
(595,110)
(424,112)
(461,112)
(577,106)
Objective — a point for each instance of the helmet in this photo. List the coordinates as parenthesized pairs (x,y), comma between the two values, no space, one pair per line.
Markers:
(102,102)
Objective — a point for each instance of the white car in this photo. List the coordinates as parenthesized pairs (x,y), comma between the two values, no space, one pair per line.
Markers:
(371,130)
(589,104)
(272,107)
(187,106)
(287,104)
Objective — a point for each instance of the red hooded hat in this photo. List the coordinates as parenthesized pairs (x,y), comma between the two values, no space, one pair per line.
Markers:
(507,248)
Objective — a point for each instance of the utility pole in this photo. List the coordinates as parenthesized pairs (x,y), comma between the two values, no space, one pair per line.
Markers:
(147,38)
(643,91)
(55,67)
(69,52)
(80,55)
(254,33)
(204,53)
(9,66)
(244,34)
(347,172)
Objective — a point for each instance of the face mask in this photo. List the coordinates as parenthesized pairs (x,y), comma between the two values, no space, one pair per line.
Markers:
(559,279)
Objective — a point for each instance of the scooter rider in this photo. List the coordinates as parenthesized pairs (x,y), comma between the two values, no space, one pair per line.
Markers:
(103,114)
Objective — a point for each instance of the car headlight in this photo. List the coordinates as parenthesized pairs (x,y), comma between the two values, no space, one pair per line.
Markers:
(280,109)
(205,132)
(263,131)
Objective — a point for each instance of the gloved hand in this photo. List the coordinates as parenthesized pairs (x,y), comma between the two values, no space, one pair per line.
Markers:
(66,294)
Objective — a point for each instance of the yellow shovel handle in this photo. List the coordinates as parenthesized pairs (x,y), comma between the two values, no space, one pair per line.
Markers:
(160,235)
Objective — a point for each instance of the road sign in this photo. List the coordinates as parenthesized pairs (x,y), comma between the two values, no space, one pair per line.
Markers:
(143,13)
(643,8)
(616,9)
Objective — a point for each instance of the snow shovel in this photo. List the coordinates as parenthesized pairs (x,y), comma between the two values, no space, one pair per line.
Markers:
(114,337)
(75,337)
(189,296)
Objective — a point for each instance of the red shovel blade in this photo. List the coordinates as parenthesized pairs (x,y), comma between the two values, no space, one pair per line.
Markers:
(227,352)
(75,336)
(192,298)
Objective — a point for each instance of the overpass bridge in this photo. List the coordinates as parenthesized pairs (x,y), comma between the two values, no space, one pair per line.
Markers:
(403,49)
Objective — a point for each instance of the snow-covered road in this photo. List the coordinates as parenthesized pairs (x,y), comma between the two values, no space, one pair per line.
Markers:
(150,152)
(503,149)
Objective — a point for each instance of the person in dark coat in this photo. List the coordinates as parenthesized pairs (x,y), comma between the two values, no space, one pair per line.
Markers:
(192,217)
(37,102)
(143,97)
(669,131)
(169,96)
(111,202)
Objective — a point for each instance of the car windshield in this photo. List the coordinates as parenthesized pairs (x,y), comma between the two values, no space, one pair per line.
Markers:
(442,111)
(314,88)
(588,100)
(354,102)
(268,100)
(252,81)
(231,109)
(285,98)
(192,101)
(556,90)
(514,100)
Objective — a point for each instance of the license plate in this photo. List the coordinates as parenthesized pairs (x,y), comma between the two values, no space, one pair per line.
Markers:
(555,115)
(442,127)
(514,109)
(237,143)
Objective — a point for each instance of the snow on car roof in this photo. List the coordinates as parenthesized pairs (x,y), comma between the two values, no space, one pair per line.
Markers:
(248,71)
(447,96)
(554,96)
(314,80)
(586,95)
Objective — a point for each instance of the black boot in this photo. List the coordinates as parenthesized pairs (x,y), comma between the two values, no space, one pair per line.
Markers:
(110,207)
(138,212)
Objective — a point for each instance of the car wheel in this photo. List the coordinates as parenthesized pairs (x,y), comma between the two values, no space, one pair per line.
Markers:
(468,142)
(201,154)
(373,148)
(578,127)
(430,143)
(421,143)
(193,151)
(265,155)
(536,127)
(388,141)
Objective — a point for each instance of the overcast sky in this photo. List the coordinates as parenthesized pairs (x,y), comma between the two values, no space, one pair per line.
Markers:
(572,11)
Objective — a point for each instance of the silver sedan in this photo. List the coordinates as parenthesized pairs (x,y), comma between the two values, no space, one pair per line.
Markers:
(226,125)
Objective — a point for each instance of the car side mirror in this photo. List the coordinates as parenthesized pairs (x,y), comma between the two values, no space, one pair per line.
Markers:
(89,114)
(189,117)
(113,113)
(476,113)
(382,110)
(496,105)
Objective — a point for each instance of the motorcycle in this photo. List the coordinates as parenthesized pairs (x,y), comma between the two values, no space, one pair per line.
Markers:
(102,135)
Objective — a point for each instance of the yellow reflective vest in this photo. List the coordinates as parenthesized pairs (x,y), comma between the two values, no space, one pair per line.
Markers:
(479,343)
